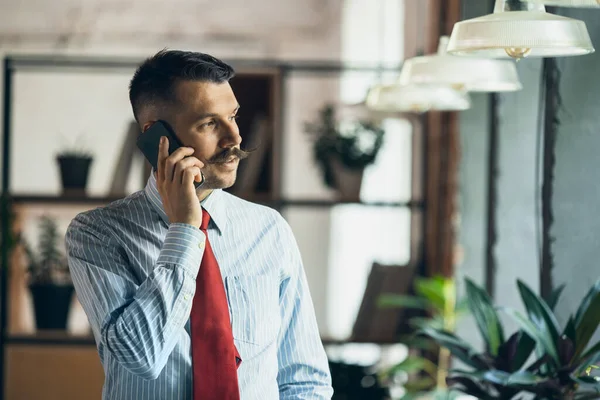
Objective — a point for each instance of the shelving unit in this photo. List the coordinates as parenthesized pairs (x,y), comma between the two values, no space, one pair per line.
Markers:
(51,339)
(278,204)
(277,71)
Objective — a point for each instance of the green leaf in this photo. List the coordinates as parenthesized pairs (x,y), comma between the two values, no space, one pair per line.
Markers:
(594,351)
(486,317)
(422,343)
(420,384)
(469,383)
(457,347)
(436,322)
(539,364)
(508,379)
(570,331)
(588,380)
(587,396)
(543,338)
(555,296)
(585,303)
(566,350)
(410,364)
(433,290)
(538,311)
(397,300)
(587,319)
(443,394)
(513,353)
(524,349)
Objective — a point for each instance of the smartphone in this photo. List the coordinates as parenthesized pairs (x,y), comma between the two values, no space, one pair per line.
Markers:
(149,141)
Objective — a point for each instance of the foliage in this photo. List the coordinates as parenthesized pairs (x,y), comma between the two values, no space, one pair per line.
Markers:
(563,364)
(49,265)
(76,150)
(354,144)
(75,153)
(437,298)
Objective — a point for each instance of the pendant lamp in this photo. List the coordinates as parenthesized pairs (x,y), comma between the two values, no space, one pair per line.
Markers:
(471,74)
(573,3)
(417,98)
(518,29)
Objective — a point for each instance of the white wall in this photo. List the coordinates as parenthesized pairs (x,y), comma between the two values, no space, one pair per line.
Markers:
(515,250)
(576,193)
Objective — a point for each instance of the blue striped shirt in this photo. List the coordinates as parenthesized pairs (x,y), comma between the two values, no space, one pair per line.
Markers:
(135,276)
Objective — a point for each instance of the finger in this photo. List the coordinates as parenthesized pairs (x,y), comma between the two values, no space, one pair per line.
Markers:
(163,153)
(174,159)
(186,163)
(190,175)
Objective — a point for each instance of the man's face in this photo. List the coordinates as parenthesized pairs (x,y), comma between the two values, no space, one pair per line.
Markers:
(205,119)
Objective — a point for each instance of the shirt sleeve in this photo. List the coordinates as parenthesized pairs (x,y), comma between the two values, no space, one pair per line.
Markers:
(303,365)
(137,323)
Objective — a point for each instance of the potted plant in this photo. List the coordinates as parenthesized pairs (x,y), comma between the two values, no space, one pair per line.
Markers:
(49,278)
(343,150)
(74,164)
(563,358)
(436,304)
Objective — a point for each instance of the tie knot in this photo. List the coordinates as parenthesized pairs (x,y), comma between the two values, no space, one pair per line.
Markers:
(205,220)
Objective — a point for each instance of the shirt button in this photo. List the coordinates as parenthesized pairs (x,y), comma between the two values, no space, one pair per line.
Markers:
(186,296)
(201,245)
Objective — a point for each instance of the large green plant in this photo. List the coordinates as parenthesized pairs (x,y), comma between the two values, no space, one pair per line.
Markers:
(48,265)
(563,361)
(437,299)
(354,144)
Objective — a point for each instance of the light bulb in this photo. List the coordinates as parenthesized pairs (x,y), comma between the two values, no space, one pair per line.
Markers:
(518,52)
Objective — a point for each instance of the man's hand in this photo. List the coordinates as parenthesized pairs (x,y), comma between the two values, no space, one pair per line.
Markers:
(175,180)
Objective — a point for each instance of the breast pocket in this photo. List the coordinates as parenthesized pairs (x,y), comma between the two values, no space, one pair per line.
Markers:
(254,308)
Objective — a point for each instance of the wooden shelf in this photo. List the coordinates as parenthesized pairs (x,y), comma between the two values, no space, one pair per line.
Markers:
(100,200)
(50,338)
(331,203)
(59,199)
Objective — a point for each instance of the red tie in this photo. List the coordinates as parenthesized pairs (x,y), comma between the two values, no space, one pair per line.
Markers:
(214,356)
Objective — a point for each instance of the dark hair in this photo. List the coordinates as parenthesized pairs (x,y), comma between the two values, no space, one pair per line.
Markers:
(154,80)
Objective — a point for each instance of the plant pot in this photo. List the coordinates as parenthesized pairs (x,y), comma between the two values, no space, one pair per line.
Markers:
(51,305)
(74,172)
(347,181)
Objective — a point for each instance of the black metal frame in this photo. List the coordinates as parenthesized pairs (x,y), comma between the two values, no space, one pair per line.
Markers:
(45,62)
(492,194)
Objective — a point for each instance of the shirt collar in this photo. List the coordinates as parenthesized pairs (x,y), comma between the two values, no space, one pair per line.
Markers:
(214,204)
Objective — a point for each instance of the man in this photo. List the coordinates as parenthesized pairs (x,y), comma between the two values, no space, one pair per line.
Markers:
(195,293)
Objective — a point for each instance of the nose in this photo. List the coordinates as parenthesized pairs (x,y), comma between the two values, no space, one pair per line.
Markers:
(230,135)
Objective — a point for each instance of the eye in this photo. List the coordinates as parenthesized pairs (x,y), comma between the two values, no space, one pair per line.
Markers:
(207,124)
(234,117)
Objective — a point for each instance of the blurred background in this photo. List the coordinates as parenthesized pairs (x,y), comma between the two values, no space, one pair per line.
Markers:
(503,190)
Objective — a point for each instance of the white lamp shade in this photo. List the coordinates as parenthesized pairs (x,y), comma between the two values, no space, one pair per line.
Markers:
(518,34)
(573,3)
(416,98)
(471,74)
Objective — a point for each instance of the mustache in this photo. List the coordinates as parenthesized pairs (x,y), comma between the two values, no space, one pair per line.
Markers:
(226,155)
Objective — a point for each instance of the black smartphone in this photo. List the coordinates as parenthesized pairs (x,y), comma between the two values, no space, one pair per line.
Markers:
(149,141)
